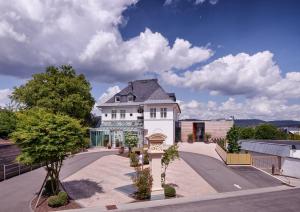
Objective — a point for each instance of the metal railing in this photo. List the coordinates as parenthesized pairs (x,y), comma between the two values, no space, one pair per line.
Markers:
(15,169)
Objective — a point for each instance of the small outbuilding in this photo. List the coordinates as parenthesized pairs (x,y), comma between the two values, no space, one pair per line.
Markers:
(198,128)
(283,154)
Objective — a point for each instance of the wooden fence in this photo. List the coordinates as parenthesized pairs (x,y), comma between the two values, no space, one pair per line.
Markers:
(234,158)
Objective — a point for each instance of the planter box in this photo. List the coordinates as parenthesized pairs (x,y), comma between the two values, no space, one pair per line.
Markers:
(234,158)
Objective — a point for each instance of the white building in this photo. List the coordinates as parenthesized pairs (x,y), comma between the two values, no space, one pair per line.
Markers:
(144,108)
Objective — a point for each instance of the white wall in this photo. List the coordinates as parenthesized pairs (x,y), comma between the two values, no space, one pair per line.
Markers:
(290,167)
(129,109)
(165,126)
(295,153)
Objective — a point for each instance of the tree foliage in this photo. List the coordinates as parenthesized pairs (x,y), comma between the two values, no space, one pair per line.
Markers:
(168,157)
(131,140)
(233,137)
(268,131)
(59,90)
(247,133)
(7,122)
(47,138)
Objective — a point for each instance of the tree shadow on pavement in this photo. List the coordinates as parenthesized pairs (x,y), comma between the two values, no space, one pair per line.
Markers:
(80,189)
(127,189)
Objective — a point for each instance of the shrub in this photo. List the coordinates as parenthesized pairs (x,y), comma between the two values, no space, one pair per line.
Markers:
(146,158)
(58,200)
(190,137)
(143,182)
(169,191)
(134,162)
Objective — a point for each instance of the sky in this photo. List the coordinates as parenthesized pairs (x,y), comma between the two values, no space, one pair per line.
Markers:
(222,58)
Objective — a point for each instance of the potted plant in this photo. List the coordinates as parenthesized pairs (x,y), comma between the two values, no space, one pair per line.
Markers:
(190,138)
(121,149)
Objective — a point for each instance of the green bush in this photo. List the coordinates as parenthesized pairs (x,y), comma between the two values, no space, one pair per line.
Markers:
(143,182)
(169,191)
(146,158)
(134,162)
(58,200)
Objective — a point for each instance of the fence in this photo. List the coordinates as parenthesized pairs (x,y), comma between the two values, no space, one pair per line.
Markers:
(234,158)
(14,169)
(266,162)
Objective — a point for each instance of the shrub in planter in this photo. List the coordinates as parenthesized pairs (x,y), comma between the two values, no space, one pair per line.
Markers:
(169,191)
(121,150)
(190,138)
(58,200)
(146,158)
(134,162)
(143,182)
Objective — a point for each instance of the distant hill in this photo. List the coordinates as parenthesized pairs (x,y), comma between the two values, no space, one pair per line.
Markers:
(255,122)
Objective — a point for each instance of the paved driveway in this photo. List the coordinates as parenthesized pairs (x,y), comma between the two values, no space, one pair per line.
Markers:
(223,178)
(16,193)
(278,201)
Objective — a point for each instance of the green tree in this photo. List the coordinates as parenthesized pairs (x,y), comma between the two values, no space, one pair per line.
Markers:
(168,157)
(233,137)
(47,138)
(247,133)
(59,90)
(266,131)
(7,122)
(131,140)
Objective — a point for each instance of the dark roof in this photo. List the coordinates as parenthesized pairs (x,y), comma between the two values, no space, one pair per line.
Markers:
(143,90)
(280,142)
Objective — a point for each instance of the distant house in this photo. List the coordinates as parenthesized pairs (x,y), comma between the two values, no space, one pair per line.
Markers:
(198,128)
(142,108)
(283,154)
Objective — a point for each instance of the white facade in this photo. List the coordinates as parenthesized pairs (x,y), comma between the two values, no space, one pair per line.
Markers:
(290,166)
(162,122)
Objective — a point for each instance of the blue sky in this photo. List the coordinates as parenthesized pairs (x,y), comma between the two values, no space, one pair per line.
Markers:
(221,58)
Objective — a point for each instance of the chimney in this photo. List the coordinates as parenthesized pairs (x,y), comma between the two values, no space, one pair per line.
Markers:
(130,85)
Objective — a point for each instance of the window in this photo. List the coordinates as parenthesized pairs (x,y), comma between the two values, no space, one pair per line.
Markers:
(130,98)
(153,113)
(117,98)
(163,112)
(122,114)
(113,114)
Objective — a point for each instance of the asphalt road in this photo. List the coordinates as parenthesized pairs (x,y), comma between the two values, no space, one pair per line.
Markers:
(17,192)
(223,178)
(279,201)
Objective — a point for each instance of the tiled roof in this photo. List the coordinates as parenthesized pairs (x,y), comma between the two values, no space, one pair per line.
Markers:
(143,90)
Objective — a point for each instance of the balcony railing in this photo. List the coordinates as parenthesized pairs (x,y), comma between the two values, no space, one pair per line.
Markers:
(137,123)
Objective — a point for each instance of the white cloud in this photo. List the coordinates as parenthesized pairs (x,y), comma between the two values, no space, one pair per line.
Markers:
(110,92)
(4,97)
(213,2)
(261,108)
(242,74)
(85,33)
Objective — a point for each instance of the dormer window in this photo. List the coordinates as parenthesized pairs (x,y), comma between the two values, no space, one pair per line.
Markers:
(117,98)
(130,98)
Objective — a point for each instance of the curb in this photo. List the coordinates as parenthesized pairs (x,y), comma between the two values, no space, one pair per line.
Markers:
(30,203)
(285,183)
(183,200)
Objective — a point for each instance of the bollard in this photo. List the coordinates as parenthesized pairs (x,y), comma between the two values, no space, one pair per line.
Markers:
(273,169)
